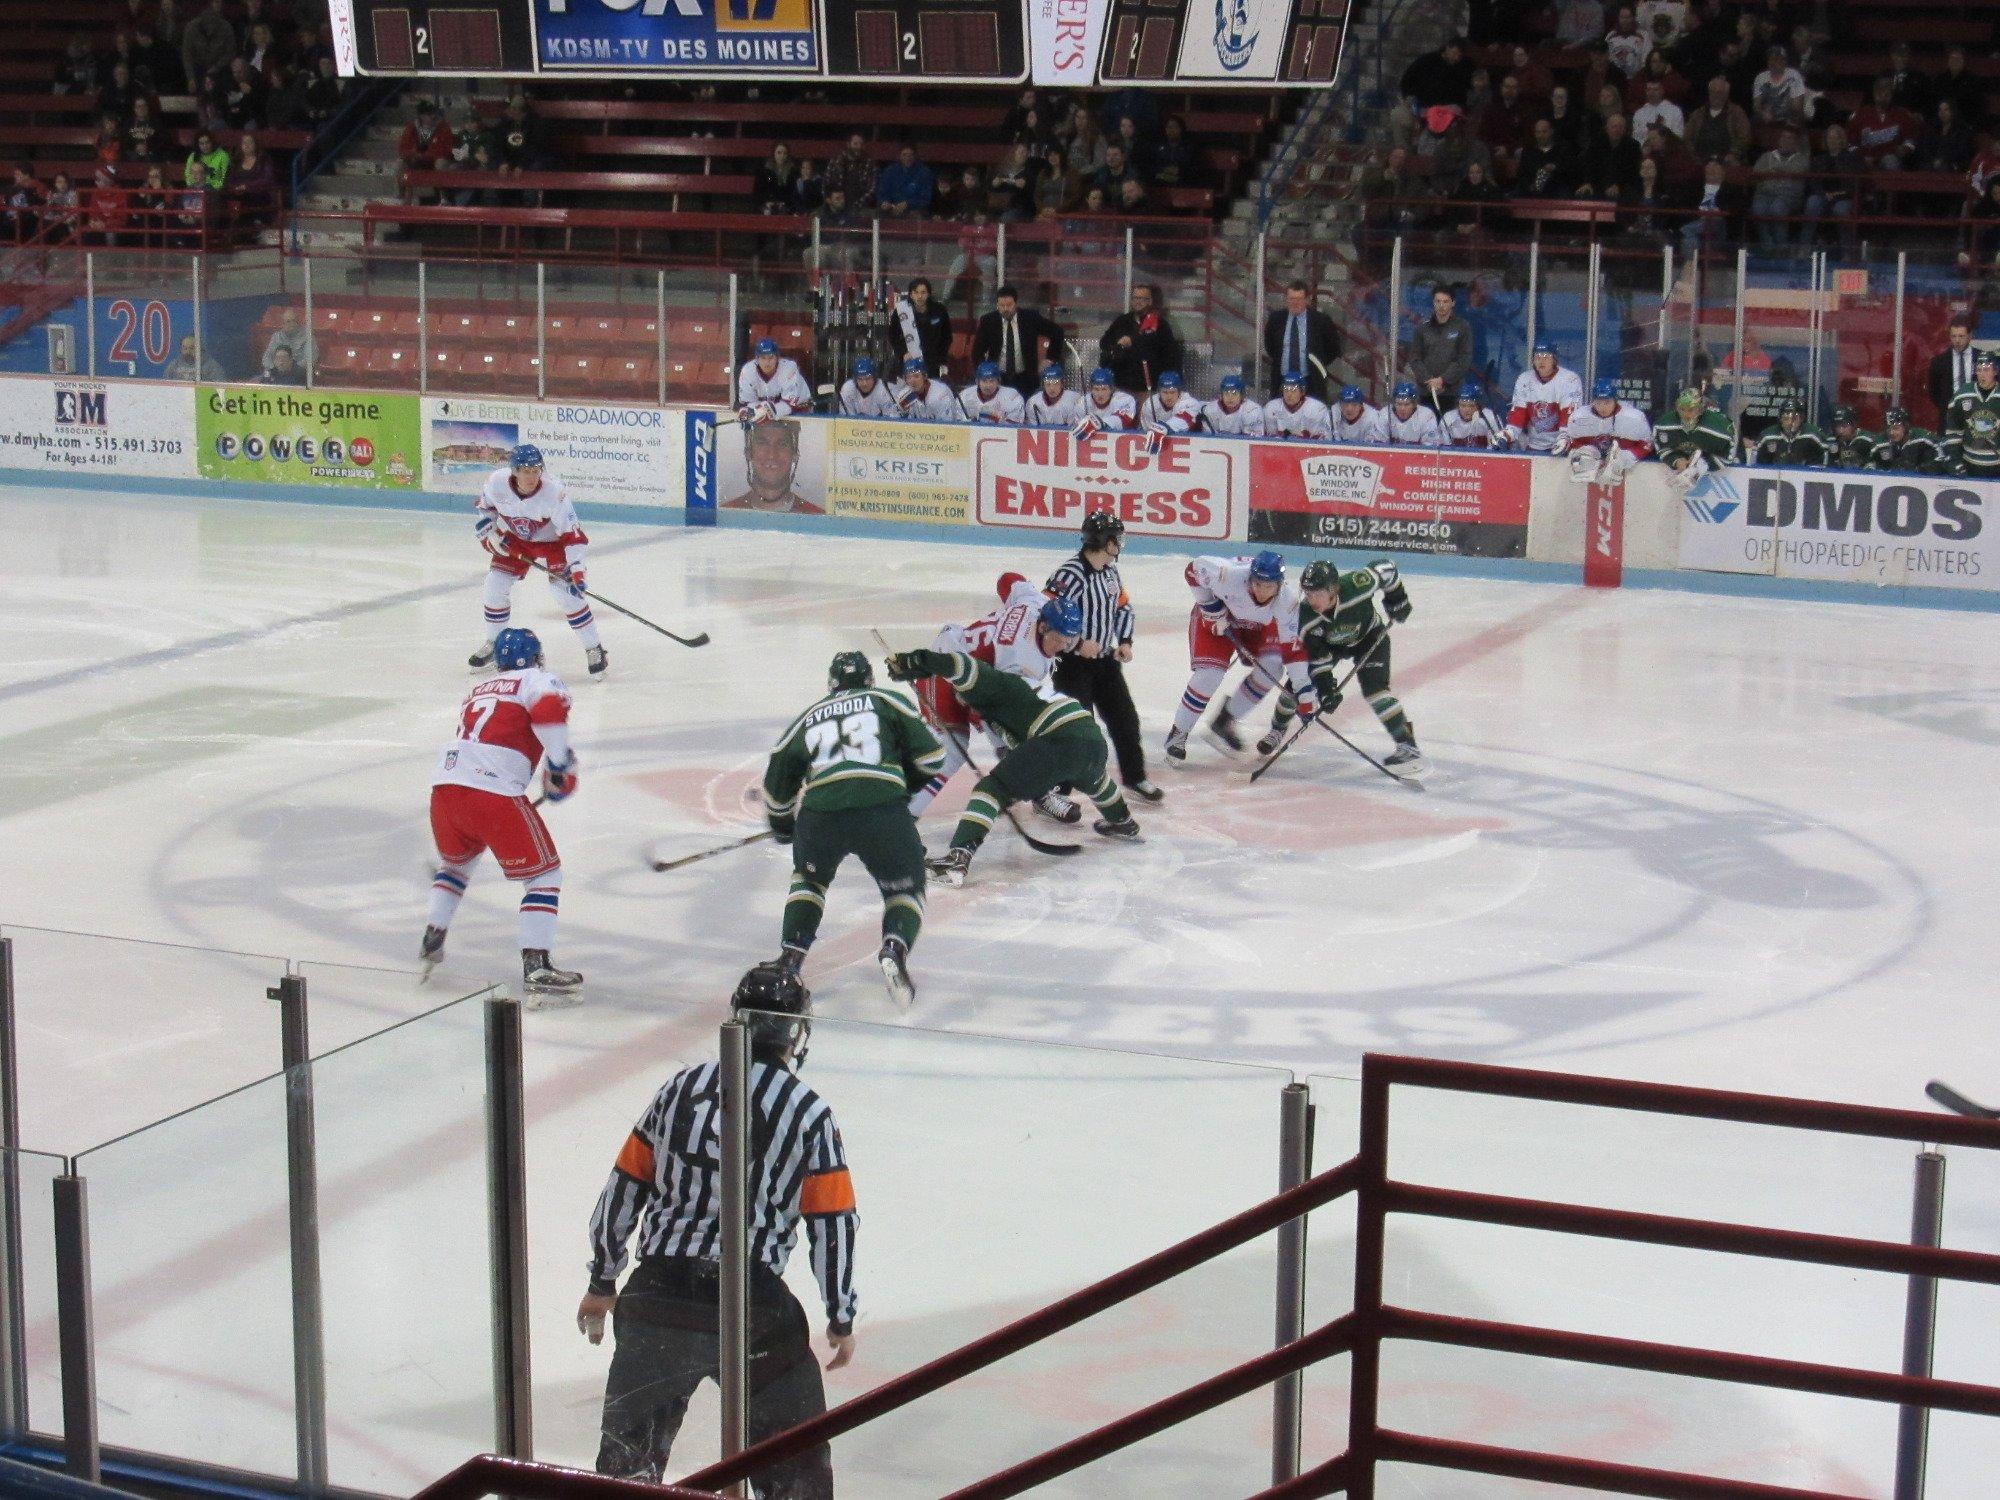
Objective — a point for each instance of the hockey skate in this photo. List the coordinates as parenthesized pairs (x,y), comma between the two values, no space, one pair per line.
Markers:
(546,986)
(1128,829)
(1058,808)
(1407,760)
(430,953)
(1176,747)
(1269,744)
(1145,791)
(895,961)
(483,657)
(596,658)
(1222,729)
(949,867)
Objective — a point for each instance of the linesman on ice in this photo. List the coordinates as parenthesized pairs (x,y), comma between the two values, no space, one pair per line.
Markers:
(667,1185)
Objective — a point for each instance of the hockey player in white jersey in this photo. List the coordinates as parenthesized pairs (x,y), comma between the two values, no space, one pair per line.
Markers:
(1355,421)
(1469,424)
(1295,414)
(770,386)
(1024,636)
(987,400)
(1106,408)
(1055,404)
(1607,438)
(1169,412)
(865,394)
(1230,414)
(1411,423)
(923,399)
(525,520)
(1544,397)
(1243,608)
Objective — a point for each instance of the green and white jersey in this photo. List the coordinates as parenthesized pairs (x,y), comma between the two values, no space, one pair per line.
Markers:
(1710,435)
(1805,449)
(1972,426)
(1855,451)
(853,748)
(1353,620)
(1011,704)
(1919,453)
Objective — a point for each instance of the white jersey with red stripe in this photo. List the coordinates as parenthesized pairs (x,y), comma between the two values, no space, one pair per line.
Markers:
(1246,421)
(784,390)
(1309,419)
(545,517)
(1541,407)
(1183,414)
(1118,413)
(936,402)
(1370,424)
(1007,638)
(1065,411)
(1626,427)
(1418,430)
(1480,430)
(1004,407)
(1222,593)
(505,725)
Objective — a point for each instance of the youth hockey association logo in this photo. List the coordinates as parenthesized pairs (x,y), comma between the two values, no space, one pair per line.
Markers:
(1235,34)
(79,408)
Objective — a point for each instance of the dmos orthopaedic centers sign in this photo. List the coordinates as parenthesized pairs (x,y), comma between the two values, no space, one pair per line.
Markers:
(1855,528)
(1046,478)
(290,436)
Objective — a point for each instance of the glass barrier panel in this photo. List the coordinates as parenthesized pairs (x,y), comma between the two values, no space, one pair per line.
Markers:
(1330,1264)
(245,294)
(1171,259)
(346,1003)
(144,313)
(1635,297)
(1489,291)
(699,364)
(1780,362)
(602,339)
(36,1174)
(480,323)
(1856,357)
(1933,291)
(366,328)
(1702,332)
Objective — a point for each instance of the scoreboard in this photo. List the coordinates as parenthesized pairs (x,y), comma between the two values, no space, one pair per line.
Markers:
(1134,43)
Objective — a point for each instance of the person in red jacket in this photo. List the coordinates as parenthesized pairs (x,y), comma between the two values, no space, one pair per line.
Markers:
(426,144)
(1884,132)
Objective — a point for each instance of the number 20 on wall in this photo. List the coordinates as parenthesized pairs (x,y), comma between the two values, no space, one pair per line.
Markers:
(140,332)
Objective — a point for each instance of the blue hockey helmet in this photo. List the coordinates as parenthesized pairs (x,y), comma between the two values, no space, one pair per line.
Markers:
(864,368)
(524,456)
(1064,617)
(1406,391)
(515,648)
(1232,383)
(1267,567)
(915,365)
(1170,380)
(1293,377)
(987,371)
(1604,389)
(1469,391)
(1543,346)
(1102,376)
(1350,395)
(1051,372)
(766,347)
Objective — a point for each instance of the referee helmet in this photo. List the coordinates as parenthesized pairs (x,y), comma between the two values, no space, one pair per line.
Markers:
(777,1007)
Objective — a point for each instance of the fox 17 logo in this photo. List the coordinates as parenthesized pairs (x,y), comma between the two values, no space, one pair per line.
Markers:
(76,408)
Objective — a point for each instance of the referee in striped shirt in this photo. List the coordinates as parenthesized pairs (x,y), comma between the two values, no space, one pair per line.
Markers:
(667,1186)
(1094,673)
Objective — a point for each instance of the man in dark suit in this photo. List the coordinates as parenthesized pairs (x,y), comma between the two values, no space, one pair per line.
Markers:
(1951,367)
(1140,345)
(1018,339)
(1297,335)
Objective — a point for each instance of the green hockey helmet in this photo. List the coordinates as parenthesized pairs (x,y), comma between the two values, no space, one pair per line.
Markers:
(1843,416)
(1791,407)
(850,669)
(1690,399)
(1319,575)
(1897,417)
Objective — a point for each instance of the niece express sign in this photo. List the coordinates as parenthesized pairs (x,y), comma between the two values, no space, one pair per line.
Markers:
(1403,499)
(1047,479)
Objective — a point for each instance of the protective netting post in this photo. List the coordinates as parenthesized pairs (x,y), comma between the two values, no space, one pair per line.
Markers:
(1913,1423)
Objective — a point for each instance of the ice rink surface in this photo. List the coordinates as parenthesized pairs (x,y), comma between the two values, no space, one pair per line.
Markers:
(1666,835)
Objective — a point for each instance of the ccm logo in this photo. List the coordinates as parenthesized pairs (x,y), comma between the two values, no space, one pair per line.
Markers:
(1603,504)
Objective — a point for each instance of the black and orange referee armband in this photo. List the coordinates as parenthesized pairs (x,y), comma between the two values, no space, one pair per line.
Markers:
(827,1193)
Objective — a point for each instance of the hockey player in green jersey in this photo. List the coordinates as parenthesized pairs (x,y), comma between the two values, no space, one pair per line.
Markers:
(1341,619)
(1791,444)
(1698,441)
(1907,449)
(1054,742)
(1972,421)
(1849,445)
(838,783)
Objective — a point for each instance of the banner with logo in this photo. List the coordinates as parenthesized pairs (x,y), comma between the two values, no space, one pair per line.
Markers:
(605,454)
(1468,502)
(1235,41)
(1850,528)
(136,428)
(1045,479)
(706,36)
(875,471)
(282,435)
(1063,38)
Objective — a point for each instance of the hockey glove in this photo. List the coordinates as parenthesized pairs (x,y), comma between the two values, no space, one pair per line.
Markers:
(1328,690)
(573,576)
(1154,440)
(1085,427)
(491,537)
(1217,620)
(910,666)
(558,781)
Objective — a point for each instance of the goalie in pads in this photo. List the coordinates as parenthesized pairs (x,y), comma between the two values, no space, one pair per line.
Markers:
(1605,439)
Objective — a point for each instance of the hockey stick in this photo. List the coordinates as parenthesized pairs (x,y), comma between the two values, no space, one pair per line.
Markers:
(685,640)
(1040,846)
(1957,1103)
(688,859)
(1319,719)
(1339,688)
(1271,760)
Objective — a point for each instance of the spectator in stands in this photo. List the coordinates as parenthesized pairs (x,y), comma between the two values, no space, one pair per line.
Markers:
(290,337)
(1966,92)
(1174,160)
(1439,77)
(772,186)
(1115,172)
(1479,99)
(109,147)
(209,159)
(1140,343)
(1907,87)
(1086,146)
(924,328)
(149,206)
(284,370)
(962,196)
(1832,193)
(76,72)
(104,214)
(1673,86)
(1716,208)
(252,184)
(1138,149)
(207,45)
(188,367)
(1547,167)
(1473,198)
(1444,147)
(905,187)
(1298,336)
(1611,169)
(123,51)
(159,54)
(852,172)
(1626,45)
(1058,186)
(426,145)
(1504,130)
(61,210)
(977,261)
(24,206)
(194,208)
(837,214)
(1649,222)
(261,52)
(1659,108)
(325,93)
(1779,95)
(1950,368)
(1780,197)
(1579,23)
(1740,67)
(523,142)
(808,189)
(1985,167)
(1010,190)
(1885,132)
(1536,81)
(1572,130)
(1027,120)
(481,159)
(143,134)
(1133,199)
(1663,21)
(1677,165)
(1720,129)
(1441,351)
(1018,339)
(1946,144)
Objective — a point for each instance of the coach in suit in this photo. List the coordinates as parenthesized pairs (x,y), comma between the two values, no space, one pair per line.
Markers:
(1951,367)
(1018,339)
(1297,334)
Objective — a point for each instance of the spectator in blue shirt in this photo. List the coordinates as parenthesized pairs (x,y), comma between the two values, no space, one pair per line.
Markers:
(904,190)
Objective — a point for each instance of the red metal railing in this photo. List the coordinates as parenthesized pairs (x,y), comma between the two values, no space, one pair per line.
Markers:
(1363,1331)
